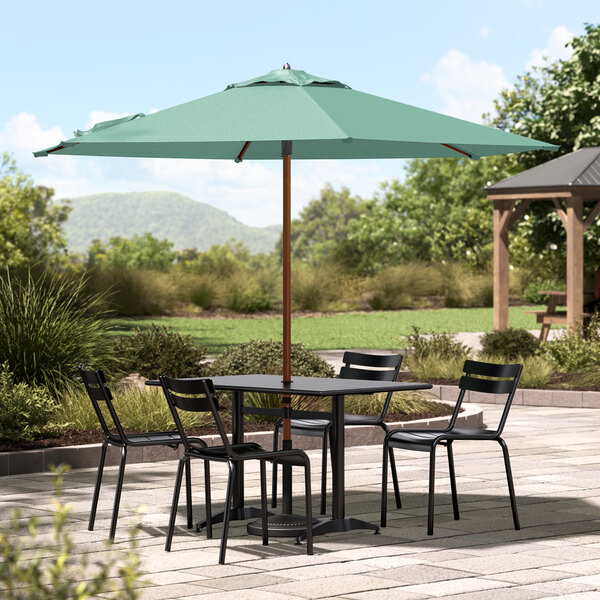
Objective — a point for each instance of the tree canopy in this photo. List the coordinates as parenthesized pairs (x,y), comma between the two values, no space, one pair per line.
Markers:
(321,231)
(138,252)
(30,224)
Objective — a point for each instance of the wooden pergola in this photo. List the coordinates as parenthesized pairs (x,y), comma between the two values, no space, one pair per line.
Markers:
(569,182)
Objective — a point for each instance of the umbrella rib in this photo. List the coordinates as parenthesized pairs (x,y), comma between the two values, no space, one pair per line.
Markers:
(240,156)
(457,150)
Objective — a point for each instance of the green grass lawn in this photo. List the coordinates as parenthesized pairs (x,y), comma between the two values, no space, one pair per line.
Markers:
(345,330)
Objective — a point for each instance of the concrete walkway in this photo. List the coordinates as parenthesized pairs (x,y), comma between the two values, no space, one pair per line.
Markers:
(555,455)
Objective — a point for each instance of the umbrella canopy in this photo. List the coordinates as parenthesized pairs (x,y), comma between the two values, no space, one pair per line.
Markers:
(325,119)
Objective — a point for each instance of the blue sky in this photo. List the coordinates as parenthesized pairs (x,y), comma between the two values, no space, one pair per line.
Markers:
(70,64)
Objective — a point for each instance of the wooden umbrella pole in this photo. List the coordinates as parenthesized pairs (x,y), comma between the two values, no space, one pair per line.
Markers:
(286,443)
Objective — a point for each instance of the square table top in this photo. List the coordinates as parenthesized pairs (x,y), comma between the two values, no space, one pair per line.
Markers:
(311,386)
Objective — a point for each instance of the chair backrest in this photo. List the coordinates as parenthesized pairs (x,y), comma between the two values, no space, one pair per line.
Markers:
(193,395)
(95,385)
(374,367)
(488,378)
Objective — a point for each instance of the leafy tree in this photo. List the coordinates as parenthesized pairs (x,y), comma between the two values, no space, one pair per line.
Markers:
(558,103)
(321,231)
(30,225)
(138,252)
(439,213)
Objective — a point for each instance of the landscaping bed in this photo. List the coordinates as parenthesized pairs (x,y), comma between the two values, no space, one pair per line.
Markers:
(78,438)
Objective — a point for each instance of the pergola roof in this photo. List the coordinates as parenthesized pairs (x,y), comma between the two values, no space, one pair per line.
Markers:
(578,170)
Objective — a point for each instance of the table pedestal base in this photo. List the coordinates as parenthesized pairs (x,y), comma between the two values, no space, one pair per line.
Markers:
(288,525)
(237,514)
(338,525)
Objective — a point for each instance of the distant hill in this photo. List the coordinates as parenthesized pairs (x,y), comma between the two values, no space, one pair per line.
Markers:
(178,218)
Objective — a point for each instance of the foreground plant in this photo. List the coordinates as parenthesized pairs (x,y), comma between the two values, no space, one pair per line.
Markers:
(36,568)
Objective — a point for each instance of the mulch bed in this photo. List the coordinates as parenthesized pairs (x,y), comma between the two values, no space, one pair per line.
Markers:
(78,438)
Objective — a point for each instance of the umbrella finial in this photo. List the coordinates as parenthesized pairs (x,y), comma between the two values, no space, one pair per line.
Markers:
(287,66)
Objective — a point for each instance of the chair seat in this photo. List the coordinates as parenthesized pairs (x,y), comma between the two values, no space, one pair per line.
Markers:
(424,439)
(158,438)
(320,425)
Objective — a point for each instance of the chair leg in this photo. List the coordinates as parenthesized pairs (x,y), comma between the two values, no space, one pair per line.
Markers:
(395,479)
(431,491)
(511,487)
(453,482)
(188,494)
(263,503)
(324,474)
(182,462)
(274,478)
(113,523)
(394,472)
(97,486)
(207,500)
(384,481)
(309,518)
(226,514)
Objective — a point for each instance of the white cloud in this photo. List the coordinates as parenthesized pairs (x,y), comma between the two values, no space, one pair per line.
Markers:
(468,88)
(555,49)
(250,191)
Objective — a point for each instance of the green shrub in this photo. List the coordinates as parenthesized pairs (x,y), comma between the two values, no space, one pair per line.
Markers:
(511,343)
(402,403)
(397,287)
(530,291)
(464,289)
(139,409)
(314,288)
(158,351)
(572,352)
(435,366)
(25,410)
(537,370)
(134,291)
(442,345)
(266,357)
(36,567)
(249,300)
(203,295)
(48,327)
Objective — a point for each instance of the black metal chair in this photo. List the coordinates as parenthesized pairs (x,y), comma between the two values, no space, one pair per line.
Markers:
(95,384)
(479,377)
(198,395)
(356,365)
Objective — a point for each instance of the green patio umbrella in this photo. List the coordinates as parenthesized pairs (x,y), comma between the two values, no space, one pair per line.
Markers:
(292,113)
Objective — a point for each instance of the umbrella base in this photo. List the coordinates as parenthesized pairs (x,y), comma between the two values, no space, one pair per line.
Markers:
(282,526)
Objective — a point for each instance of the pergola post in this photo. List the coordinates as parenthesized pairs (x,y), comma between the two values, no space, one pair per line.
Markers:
(502,210)
(575,228)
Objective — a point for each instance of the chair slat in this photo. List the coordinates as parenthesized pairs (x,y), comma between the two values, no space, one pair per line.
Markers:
(192,403)
(486,385)
(352,373)
(383,361)
(491,370)
(191,387)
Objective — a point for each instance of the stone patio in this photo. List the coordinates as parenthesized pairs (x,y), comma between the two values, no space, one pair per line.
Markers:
(555,457)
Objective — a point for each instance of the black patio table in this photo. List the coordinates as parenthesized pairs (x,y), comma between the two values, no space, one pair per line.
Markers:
(300,386)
